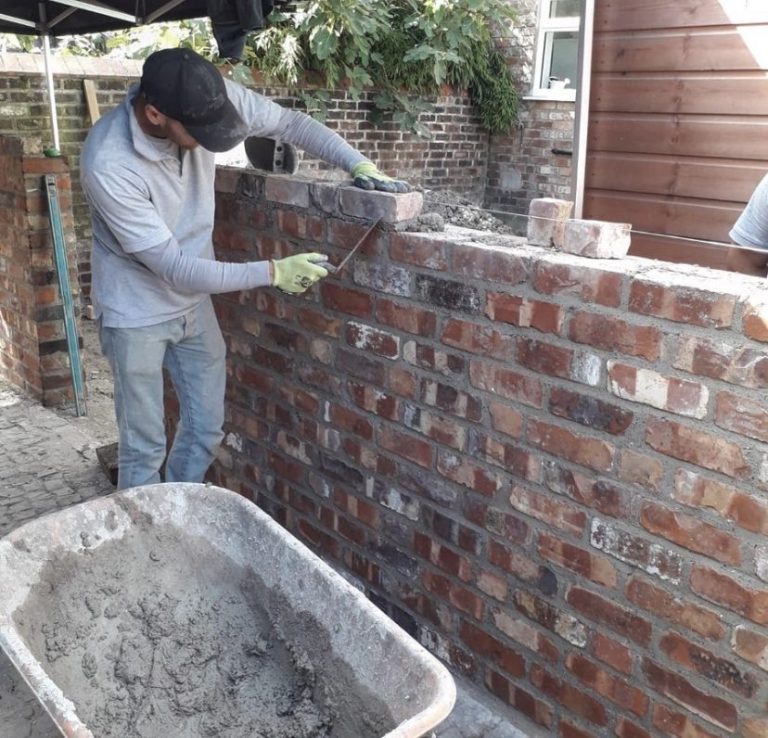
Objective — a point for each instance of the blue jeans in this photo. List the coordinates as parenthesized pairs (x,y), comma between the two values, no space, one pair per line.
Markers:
(192,350)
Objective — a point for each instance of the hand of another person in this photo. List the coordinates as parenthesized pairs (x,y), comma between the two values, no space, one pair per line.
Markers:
(368,177)
(298,273)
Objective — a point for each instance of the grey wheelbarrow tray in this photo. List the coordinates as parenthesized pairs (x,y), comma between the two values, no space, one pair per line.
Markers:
(416,688)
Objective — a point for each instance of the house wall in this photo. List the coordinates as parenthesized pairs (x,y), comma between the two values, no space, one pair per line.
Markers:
(678,113)
(551,471)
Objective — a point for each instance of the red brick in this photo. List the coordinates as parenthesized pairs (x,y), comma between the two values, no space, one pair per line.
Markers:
(518,698)
(713,668)
(677,724)
(736,364)
(545,317)
(662,604)
(442,557)
(690,532)
(571,731)
(727,592)
(513,561)
(566,695)
(613,653)
(526,635)
(343,299)
(754,321)
(596,569)
(374,400)
(372,340)
(464,472)
(613,334)
(449,399)
(319,322)
(506,383)
(488,263)
(477,339)
(345,419)
(751,646)
(618,691)
(603,496)
(683,305)
(545,358)
(589,284)
(627,729)
(506,419)
(406,318)
(589,411)
(494,650)
(678,689)
(697,447)
(606,612)
(742,415)
(558,441)
(551,617)
(414,449)
(548,509)
(459,597)
(641,469)
(420,250)
(755,728)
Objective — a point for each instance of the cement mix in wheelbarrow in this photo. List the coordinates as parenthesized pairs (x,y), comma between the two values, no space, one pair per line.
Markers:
(161,636)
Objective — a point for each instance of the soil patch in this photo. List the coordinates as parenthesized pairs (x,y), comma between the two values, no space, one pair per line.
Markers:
(160,634)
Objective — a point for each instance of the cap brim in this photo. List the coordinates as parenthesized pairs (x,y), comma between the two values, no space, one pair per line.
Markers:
(223,135)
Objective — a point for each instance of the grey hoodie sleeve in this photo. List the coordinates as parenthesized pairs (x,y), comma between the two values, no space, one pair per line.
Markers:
(193,274)
(266,118)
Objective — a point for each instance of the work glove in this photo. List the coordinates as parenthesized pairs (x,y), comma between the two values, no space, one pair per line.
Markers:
(298,273)
(368,177)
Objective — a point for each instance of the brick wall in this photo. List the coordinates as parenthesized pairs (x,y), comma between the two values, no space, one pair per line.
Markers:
(552,471)
(33,347)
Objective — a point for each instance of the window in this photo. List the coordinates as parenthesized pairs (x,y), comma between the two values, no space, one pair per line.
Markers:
(557,49)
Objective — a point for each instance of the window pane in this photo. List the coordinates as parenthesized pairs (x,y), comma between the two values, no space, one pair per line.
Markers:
(560,60)
(564,8)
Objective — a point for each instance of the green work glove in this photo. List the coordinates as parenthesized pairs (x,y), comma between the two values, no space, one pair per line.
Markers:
(368,177)
(298,273)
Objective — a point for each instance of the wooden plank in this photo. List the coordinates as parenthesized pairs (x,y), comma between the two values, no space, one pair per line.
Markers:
(726,181)
(721,49)
(91,100)
(738,93)
(707,220)
(671,249)
(613,15)
(720,137)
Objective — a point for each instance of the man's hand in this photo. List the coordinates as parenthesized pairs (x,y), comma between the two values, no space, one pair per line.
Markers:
(297,273)
(368,177)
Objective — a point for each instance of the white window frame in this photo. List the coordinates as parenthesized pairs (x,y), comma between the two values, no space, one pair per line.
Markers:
(545,31)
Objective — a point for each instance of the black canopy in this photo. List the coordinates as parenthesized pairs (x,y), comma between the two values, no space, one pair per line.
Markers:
(63,17)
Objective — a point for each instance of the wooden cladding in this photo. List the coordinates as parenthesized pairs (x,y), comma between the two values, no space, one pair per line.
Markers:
(678,121)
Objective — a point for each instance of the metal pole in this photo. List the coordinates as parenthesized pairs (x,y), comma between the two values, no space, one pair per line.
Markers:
(49,76)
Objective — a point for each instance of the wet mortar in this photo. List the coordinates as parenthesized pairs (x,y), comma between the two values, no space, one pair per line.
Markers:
(160,634)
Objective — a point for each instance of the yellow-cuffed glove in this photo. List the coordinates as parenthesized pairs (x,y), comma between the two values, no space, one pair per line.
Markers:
(298,273)
(368,177)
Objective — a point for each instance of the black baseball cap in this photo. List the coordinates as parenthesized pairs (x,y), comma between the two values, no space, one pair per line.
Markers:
(188,88)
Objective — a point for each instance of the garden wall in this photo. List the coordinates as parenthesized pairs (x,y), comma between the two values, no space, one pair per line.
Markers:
(552,471)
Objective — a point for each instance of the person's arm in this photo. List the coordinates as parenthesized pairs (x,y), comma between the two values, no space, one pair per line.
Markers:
(751,232)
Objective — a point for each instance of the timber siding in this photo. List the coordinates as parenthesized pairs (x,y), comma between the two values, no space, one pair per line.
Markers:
(678,129)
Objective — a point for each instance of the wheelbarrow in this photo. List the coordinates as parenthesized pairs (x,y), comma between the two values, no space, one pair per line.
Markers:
(222,539)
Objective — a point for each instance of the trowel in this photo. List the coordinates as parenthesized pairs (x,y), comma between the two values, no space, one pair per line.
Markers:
(338,267)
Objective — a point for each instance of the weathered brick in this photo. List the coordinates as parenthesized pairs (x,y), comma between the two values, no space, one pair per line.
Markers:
(445,293)
(590,452)
(613,334)
(756,727)
(601,495)
(618,691)
(336,297)
(641,469)
(470,475)
(548,509)
(441,429)
(605,612)
(742,415)
(513,458)
(677,724)
(461,598)
(513,561)
(525,634)
(506,419)
(488,263)
(506,383)
(690,532)
(754,320)
(478,339)
(697,447)
(565,694)
(589,411)
(597,239)
(663,604)
(547,217)
(442,557)
(751,646)
(370,205)
(627,729)
(406,318)
(613,653)
(747,511)
(537,710)
(708,665)
(590,285)
(714,709)
(552,618)
(594,568)
(635,550)
(449,399)
(727,592)
(652,388)
(287,189)
(682,305)
(545,317)
(428,357)
(733,363)
(493,649)
(419,250)
(372,340)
